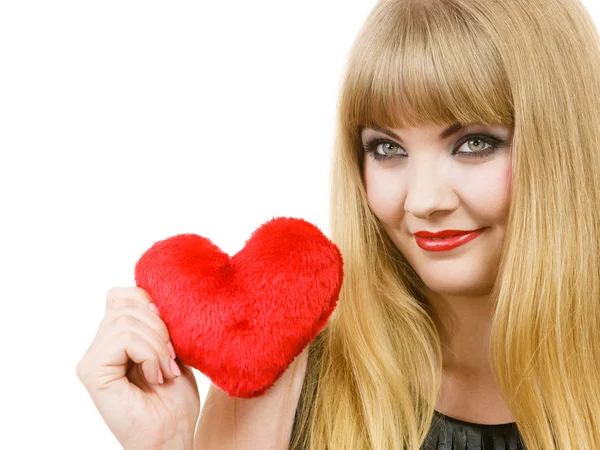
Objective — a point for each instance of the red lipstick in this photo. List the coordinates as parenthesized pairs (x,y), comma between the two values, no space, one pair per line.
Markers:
(446,239)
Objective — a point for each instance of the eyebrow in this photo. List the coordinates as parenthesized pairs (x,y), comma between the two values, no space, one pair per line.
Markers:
(447,132)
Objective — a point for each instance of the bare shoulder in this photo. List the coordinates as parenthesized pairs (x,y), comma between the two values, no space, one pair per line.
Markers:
(264,422)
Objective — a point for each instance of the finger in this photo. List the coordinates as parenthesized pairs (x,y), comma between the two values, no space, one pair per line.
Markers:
(117,294)
(141,312)
(135,302)
(128,322)
(107,365)
(96,356)
(141,352)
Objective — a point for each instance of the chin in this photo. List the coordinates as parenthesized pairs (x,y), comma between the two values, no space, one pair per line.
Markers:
(457,286)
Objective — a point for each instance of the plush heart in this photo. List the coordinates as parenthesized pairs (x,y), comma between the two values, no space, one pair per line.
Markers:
(242,320)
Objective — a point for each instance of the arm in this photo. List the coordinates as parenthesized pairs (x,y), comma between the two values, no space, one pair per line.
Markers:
(262,423)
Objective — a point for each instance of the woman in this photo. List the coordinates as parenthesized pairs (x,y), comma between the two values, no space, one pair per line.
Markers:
(410,334)
(475,116)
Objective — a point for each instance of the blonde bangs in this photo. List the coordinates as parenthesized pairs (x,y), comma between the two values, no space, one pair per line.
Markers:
(429,64)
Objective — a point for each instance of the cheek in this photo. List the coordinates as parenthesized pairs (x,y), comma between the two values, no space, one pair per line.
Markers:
(486,190)
(385,192)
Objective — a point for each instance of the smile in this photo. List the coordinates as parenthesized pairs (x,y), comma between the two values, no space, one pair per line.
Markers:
(447,243)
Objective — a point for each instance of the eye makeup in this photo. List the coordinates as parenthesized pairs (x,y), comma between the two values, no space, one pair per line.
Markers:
(372,145)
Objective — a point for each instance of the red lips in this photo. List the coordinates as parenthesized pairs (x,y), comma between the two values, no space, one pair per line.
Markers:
(441,234)
(446,239)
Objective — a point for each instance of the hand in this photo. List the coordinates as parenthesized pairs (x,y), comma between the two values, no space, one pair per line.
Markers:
(147,399)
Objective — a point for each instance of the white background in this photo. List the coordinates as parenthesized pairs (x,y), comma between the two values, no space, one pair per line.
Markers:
(123,123)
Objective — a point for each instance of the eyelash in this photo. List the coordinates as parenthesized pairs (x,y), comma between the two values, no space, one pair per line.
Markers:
(495,144)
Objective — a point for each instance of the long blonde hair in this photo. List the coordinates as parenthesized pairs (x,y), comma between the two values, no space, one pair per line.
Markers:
(374,371)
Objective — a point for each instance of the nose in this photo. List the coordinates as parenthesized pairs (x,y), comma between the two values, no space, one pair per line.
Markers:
(429,190)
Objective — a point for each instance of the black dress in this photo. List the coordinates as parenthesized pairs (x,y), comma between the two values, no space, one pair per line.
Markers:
(448,433)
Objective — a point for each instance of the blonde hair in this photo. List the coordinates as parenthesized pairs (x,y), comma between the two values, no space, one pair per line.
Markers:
(374,371)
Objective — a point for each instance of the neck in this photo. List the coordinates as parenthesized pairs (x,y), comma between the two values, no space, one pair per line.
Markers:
(464,325)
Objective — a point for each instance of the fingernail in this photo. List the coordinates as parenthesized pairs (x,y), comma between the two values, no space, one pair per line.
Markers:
(160,377)
(153,307)
(175,368)
(172,350)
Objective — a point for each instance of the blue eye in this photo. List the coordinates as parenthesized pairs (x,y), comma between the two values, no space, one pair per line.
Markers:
(384,149)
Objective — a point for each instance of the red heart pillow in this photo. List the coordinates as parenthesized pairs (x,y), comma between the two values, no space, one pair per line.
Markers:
(242,320)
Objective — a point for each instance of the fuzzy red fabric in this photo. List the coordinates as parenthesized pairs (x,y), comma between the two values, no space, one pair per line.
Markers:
(242,320)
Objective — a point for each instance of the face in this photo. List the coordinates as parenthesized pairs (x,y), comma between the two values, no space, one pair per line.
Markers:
(423,180)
